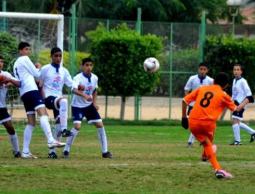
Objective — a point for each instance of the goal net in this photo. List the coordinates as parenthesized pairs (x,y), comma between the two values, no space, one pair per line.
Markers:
(41,31)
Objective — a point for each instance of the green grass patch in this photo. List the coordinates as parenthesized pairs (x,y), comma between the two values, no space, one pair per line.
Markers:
(147,159)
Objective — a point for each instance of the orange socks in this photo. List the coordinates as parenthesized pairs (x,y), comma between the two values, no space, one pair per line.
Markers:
(211,155)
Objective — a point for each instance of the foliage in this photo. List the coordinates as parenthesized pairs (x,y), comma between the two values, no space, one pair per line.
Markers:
(8,49)
(119,56)
(152,10)
(221,52)
(185,62)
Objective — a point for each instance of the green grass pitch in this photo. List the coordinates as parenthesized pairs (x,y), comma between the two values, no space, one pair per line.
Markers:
(147,159)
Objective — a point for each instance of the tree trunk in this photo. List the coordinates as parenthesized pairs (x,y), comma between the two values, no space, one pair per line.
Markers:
(122,107)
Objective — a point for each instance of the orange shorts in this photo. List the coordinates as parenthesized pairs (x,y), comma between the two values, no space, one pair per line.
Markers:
(202,130)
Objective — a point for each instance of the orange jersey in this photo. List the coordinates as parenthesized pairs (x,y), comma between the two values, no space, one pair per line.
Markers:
(210,101)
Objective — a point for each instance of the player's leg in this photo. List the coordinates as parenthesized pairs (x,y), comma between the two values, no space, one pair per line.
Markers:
(191,140)
(28,136)
(5,119)
(204,133)
(248,130)
(236,119)
(77,114)
(13,138)
(93,117)
(236,131)
(56,134)
(103,140)
(62,103)
(45,125)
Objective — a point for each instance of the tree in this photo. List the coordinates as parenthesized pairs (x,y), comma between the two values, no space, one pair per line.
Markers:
(155,10)
(119,56)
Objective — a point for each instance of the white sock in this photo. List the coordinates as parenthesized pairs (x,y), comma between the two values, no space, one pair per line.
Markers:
(27,138)
(70,139)
(247,128)
(63,106)
(236,130)
(56,135)
(45,125)
(191,138)
(15,142)
(102,139)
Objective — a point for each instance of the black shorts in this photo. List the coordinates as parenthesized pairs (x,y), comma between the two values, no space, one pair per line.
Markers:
(32,101)
(4,115)
(51,103)
(89,112)
(238,115)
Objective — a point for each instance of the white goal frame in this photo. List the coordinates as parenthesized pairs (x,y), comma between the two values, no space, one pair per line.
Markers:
(58,17)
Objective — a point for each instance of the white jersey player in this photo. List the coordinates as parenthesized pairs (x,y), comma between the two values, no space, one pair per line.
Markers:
(240,92)
(84,105)
(52,80)
(5,119)
(193,83)
(26,72)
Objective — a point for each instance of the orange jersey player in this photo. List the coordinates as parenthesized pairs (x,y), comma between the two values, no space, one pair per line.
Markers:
(210,102)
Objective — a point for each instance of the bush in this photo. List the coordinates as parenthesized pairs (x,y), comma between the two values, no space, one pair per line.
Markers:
(221,52)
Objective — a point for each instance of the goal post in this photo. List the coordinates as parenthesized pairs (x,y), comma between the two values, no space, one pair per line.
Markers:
(39,16)
(41,31)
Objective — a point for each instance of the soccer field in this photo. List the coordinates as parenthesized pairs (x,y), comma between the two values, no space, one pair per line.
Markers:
(147,159)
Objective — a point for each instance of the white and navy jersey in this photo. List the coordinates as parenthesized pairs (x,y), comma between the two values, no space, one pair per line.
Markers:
(195,82)
(240,90)
(26,72)
(4,89)
(90,85)
(54,80)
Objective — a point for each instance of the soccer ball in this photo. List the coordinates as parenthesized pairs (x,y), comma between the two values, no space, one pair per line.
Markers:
(151,64)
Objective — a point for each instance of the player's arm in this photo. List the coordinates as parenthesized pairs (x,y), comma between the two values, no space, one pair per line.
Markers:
(11,81)
(249,98)
(78,92)
(94,96)
(185,122)
(186,100)
(229,103)
(32,69)
(68,79)
(188,86)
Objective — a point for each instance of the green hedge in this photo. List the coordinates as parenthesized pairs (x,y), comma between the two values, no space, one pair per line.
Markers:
(221,52)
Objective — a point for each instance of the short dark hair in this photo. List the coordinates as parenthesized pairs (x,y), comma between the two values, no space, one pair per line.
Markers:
(85,60)
(204,64)
(1,57)
(239,65)
(55,50)
(23,45)
(221,79)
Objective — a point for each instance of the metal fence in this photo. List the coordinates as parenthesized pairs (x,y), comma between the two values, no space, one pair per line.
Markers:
(179,59)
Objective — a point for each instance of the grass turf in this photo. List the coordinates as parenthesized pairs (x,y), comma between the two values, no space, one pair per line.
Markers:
(147,159)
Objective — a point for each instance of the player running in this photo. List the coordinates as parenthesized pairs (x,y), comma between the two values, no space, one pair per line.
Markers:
(194,82)
(210,101)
